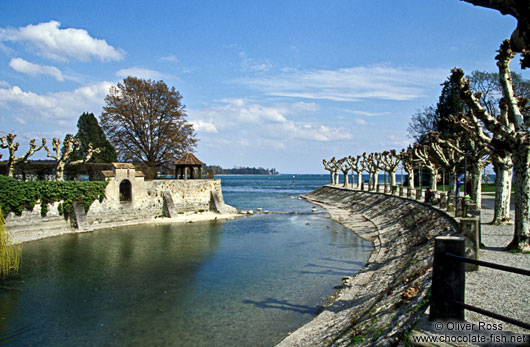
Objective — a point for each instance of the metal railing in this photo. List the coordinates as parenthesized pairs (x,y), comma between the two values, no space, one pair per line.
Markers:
(448,282)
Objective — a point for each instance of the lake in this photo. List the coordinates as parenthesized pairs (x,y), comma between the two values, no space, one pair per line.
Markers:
(249,281)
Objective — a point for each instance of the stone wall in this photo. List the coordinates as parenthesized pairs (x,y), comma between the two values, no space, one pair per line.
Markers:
(147,202)
(386,297)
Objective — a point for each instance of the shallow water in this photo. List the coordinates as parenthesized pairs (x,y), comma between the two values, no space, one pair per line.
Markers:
(244,282)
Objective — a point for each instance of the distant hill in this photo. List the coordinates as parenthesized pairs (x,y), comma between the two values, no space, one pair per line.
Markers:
(241,170)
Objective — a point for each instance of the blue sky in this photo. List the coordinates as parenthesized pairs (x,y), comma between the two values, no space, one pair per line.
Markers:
(279,84)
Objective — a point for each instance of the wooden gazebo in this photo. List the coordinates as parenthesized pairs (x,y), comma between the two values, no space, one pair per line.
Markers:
(188,163)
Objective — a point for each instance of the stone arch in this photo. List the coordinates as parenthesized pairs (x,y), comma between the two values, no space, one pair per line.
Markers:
(125,190)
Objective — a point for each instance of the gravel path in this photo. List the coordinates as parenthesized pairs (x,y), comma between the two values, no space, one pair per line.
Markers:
(498,291)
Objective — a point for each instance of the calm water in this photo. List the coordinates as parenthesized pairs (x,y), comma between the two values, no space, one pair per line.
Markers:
(236,283)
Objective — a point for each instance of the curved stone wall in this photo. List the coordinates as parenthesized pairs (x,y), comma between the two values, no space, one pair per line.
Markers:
(387,296)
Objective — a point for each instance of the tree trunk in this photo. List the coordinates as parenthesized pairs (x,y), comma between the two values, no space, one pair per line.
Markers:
(359,179)
(521,185)
(11,168)
(59,171)
(346,180)
(452,184)
(392,178)
(475,173)
(434,179)
(503,190)
(411,179)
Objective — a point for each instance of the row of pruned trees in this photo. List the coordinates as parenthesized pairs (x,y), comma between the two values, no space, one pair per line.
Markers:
(60,154)
(471,138)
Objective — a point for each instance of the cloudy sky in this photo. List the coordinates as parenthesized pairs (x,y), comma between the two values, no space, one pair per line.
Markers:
(272,83)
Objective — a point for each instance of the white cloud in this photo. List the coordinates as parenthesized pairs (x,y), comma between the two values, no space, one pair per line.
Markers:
(25,67)
(202,126)
(169,59)
(265,122)
(380,82)
(58,106)
(361,122)
(4,84)
(251,65)
(368,114)
(140,72)
(50,41)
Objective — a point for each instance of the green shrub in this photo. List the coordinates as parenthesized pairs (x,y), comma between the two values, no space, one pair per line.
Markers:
(16,196)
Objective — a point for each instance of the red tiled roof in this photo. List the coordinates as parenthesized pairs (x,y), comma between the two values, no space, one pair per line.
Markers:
(188,159)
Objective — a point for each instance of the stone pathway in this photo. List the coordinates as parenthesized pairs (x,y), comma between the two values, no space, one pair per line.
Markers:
(497,291)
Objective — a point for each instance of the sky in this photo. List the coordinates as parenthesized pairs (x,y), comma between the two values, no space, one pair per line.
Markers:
(276,84)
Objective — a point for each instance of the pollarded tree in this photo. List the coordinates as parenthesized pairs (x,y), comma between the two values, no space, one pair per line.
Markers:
(62,154)
(89,132)
(449,154)
(373,165)
(407,160)
(425,155)
(516,136)
(8,142)
(502,161)
(345,167)
(146,121)
(357,166)
(329,166)
(390,162)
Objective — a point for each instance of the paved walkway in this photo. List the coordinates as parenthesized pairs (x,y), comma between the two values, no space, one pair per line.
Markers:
(498,291)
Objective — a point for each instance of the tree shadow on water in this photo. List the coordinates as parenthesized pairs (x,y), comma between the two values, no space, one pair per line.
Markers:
(282,305)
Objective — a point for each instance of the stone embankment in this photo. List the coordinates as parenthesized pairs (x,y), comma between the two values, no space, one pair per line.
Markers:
(389,294)
(191,201)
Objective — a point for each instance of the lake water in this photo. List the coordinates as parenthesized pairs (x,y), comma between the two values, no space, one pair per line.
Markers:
(246,282)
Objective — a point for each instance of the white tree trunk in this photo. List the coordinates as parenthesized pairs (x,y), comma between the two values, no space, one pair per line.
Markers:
(359,179)
(521,185)
(503,190)
(392,178)
(376,178)
(346,180)
(434,180)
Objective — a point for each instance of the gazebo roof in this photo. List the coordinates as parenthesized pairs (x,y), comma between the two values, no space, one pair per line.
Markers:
(189,159)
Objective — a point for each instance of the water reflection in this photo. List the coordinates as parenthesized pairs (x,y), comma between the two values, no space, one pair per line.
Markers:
(244,282)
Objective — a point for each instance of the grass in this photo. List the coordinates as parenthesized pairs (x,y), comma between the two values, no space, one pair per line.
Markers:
(9,254)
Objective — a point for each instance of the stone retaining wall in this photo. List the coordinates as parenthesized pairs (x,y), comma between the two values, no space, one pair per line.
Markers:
(147,202)
(387,296)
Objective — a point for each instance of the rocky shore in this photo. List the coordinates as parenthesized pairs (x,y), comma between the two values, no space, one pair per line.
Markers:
(388,296)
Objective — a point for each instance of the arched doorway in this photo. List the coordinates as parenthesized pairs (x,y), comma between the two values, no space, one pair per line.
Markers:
(125,191)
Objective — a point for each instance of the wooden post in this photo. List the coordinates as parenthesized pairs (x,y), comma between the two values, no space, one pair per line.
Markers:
(448,279)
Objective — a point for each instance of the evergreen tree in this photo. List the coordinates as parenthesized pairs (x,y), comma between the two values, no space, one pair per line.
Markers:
(88,132)
(449,104)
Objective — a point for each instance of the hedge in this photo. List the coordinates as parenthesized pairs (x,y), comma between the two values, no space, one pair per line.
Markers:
(17,196)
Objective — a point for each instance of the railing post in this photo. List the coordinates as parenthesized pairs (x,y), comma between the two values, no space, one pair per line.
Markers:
(443,200)
(469,228)
(400,190)
(478,214)
(418,193)
(409,192)
(448,279)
